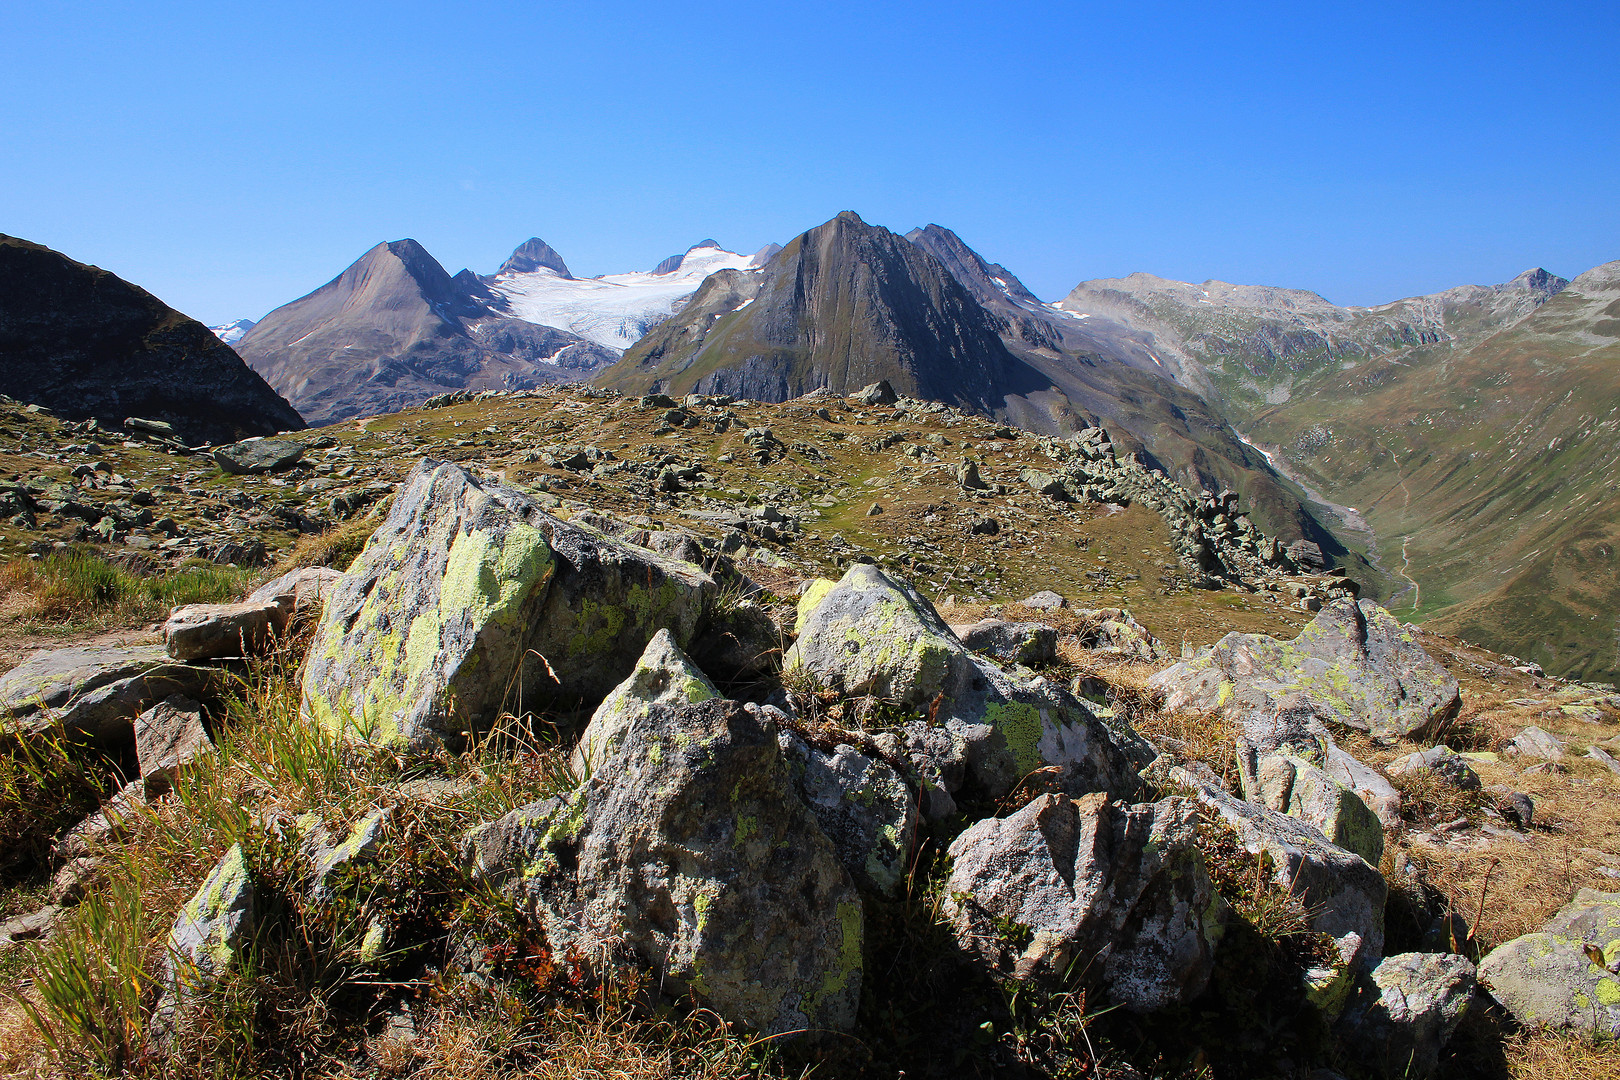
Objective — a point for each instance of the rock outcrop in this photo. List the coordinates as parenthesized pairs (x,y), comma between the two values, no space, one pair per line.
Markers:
(690,852)
(1352,665)
(1115,895)
(1547,979)
(93,691)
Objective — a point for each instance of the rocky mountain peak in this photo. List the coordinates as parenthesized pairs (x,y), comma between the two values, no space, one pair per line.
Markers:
(533,254)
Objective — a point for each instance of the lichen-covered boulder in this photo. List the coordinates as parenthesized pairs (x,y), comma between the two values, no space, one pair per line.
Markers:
(690,852)
(1116,631)
(1294,786)
(1119,892)
(1354,664)
(1344,893)
(1404,1011)
(1443,762)
(607,601)
(864,807)
(211,631)
(1546,979)
(428,635)
(1009,642)
(662,676)
(95,691)
(208,939)
(874,634)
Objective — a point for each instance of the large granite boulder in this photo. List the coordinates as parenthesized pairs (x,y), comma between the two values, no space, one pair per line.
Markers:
(1117,892)
(662,676)
(1354,665)
(471,600)
(1403,1013)
(873,634)
(1294,786)
(689,852)
(95,691)
(1547,979)
(1344,893)
(863,805)
(258,455)
(428,635)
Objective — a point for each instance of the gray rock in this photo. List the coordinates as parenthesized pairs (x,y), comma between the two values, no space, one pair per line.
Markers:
(1443,761)
(1120,892)
(1546,979)
(214,631)
(107,825)
(870,634)
(1604,758)
(968,476)
(878,393)
(1345,894)
(863,806)
(94,691)
(1353,665)
(1044,483)
(1116,630)
(662,676)
(430,630)
(327,854)
(34,926)
(258,455)
(470,599)
(1373,786)
(1405,1010)
(168,737)
(1294,786)
(1045,600)
(690,852)
(208,939)
(299,592)
(1009,642)
(1538,743)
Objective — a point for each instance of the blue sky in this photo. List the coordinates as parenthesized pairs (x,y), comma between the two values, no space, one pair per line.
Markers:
(231,157)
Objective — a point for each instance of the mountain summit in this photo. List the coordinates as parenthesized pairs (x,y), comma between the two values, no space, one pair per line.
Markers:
(533,254)
(394,329)
(844,304)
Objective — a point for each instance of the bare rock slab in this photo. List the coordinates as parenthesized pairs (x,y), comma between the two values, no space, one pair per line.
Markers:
(214,631)
(94,691)
(168,737)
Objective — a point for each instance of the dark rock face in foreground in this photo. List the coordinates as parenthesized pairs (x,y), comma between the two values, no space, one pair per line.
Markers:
(85,343)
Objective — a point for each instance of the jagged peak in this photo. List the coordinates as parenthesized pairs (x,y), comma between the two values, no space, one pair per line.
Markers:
(533,254)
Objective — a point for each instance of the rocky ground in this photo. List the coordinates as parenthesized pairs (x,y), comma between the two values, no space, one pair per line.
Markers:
(859,717)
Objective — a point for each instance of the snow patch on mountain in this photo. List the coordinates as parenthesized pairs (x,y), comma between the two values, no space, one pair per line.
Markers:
(614,310)
(233,332)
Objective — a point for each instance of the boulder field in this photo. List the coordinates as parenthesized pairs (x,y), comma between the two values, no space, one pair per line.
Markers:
(731,841)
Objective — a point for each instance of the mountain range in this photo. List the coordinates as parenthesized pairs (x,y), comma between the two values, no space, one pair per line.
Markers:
(1455,452)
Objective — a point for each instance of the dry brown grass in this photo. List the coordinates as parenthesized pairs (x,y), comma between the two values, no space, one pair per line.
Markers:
(336,547)
(1548,1056)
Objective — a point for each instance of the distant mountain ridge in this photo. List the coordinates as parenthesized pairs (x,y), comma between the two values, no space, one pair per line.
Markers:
(85,343)
(394,329)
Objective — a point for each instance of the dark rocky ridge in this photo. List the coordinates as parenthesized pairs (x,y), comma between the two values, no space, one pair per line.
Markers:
(395,329)
(85,343)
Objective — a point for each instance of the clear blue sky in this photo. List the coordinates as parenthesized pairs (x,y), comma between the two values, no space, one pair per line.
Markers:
(231,157)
